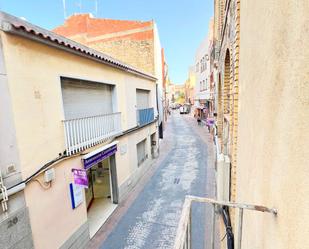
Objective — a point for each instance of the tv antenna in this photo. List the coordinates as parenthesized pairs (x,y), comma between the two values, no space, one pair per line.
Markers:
(64,9)
(96,7)
(80,5)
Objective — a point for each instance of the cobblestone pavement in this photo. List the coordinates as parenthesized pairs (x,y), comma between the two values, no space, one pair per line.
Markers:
(148,219)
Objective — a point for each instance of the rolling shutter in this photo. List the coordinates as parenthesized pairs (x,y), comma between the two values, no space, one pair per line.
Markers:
(85,99)
(142,99)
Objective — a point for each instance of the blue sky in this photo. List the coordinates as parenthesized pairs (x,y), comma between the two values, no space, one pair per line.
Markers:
(182,23)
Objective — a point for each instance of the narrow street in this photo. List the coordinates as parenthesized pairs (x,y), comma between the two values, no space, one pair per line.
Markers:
(150,217)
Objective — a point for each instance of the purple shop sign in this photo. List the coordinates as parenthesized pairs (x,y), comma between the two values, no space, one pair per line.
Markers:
(210,121)
(80,177)
(93,160)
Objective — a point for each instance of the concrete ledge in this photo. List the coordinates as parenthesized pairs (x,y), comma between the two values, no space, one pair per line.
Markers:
(78,239)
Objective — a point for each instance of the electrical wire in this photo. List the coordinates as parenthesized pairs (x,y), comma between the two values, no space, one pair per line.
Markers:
(43,185)
(228,227)
(39,171)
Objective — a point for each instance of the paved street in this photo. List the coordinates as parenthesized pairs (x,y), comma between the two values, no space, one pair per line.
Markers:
(149,219)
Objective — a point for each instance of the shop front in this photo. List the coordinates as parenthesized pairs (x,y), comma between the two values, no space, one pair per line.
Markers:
(102,192)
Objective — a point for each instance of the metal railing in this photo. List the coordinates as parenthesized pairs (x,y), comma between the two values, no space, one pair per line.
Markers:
(183,236)
(144,116)
(3,194)
(82,133)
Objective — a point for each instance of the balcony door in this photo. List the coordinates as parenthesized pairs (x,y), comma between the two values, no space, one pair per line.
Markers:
(85,99)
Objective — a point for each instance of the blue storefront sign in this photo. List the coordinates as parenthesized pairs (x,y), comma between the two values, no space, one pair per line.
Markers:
(100,156)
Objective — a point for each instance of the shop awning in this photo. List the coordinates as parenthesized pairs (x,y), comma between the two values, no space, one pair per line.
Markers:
(99,154)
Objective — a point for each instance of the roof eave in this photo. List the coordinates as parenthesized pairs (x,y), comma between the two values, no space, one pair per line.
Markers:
(48,38)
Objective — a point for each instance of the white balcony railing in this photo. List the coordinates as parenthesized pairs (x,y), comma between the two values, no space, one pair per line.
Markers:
(82,133)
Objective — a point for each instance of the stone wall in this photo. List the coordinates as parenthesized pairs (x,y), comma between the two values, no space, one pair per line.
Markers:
(15,230)
(138,53)
(228,86)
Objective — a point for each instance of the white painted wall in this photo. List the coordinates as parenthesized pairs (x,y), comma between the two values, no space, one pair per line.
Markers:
(158,70)
(205,75)
(8,144)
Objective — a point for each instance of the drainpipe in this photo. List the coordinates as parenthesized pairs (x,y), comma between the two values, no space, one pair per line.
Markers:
(14,190)
(157,102)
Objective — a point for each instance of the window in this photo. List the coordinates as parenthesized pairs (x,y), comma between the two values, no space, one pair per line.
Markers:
(141,152)
(203,63)
(142,99)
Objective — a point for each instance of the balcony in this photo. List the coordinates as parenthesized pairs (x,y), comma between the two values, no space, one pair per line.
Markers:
(144,116)
(82,133)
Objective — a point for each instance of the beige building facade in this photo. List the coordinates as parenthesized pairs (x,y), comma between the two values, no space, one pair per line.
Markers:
(58,125)
(273,126)
(262,93)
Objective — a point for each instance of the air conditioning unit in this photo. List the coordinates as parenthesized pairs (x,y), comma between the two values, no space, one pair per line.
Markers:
(223,178)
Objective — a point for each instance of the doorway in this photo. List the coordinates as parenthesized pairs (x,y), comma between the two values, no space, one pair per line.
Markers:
(99,194)
(154,148)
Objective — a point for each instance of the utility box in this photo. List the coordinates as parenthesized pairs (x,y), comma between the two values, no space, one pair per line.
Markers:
(49,175)
(223,178)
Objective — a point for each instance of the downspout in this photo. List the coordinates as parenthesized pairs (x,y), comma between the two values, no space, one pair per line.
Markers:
(225,210)
(157,102)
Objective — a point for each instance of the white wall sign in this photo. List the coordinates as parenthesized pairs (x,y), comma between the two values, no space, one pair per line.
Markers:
(123,149)
(77,196)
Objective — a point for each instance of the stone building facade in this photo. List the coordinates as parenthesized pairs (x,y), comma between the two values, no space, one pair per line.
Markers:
(227,31)
(226,43)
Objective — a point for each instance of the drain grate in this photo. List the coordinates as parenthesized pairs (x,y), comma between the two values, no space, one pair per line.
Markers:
(176,180)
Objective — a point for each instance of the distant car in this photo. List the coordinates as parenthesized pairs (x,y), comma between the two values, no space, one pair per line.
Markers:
(174,106)
(184,109)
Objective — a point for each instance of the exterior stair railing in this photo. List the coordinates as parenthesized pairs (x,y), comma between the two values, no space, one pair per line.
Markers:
(183,236)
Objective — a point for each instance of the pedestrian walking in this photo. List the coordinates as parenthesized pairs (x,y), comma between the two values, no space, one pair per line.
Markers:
(199,120)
